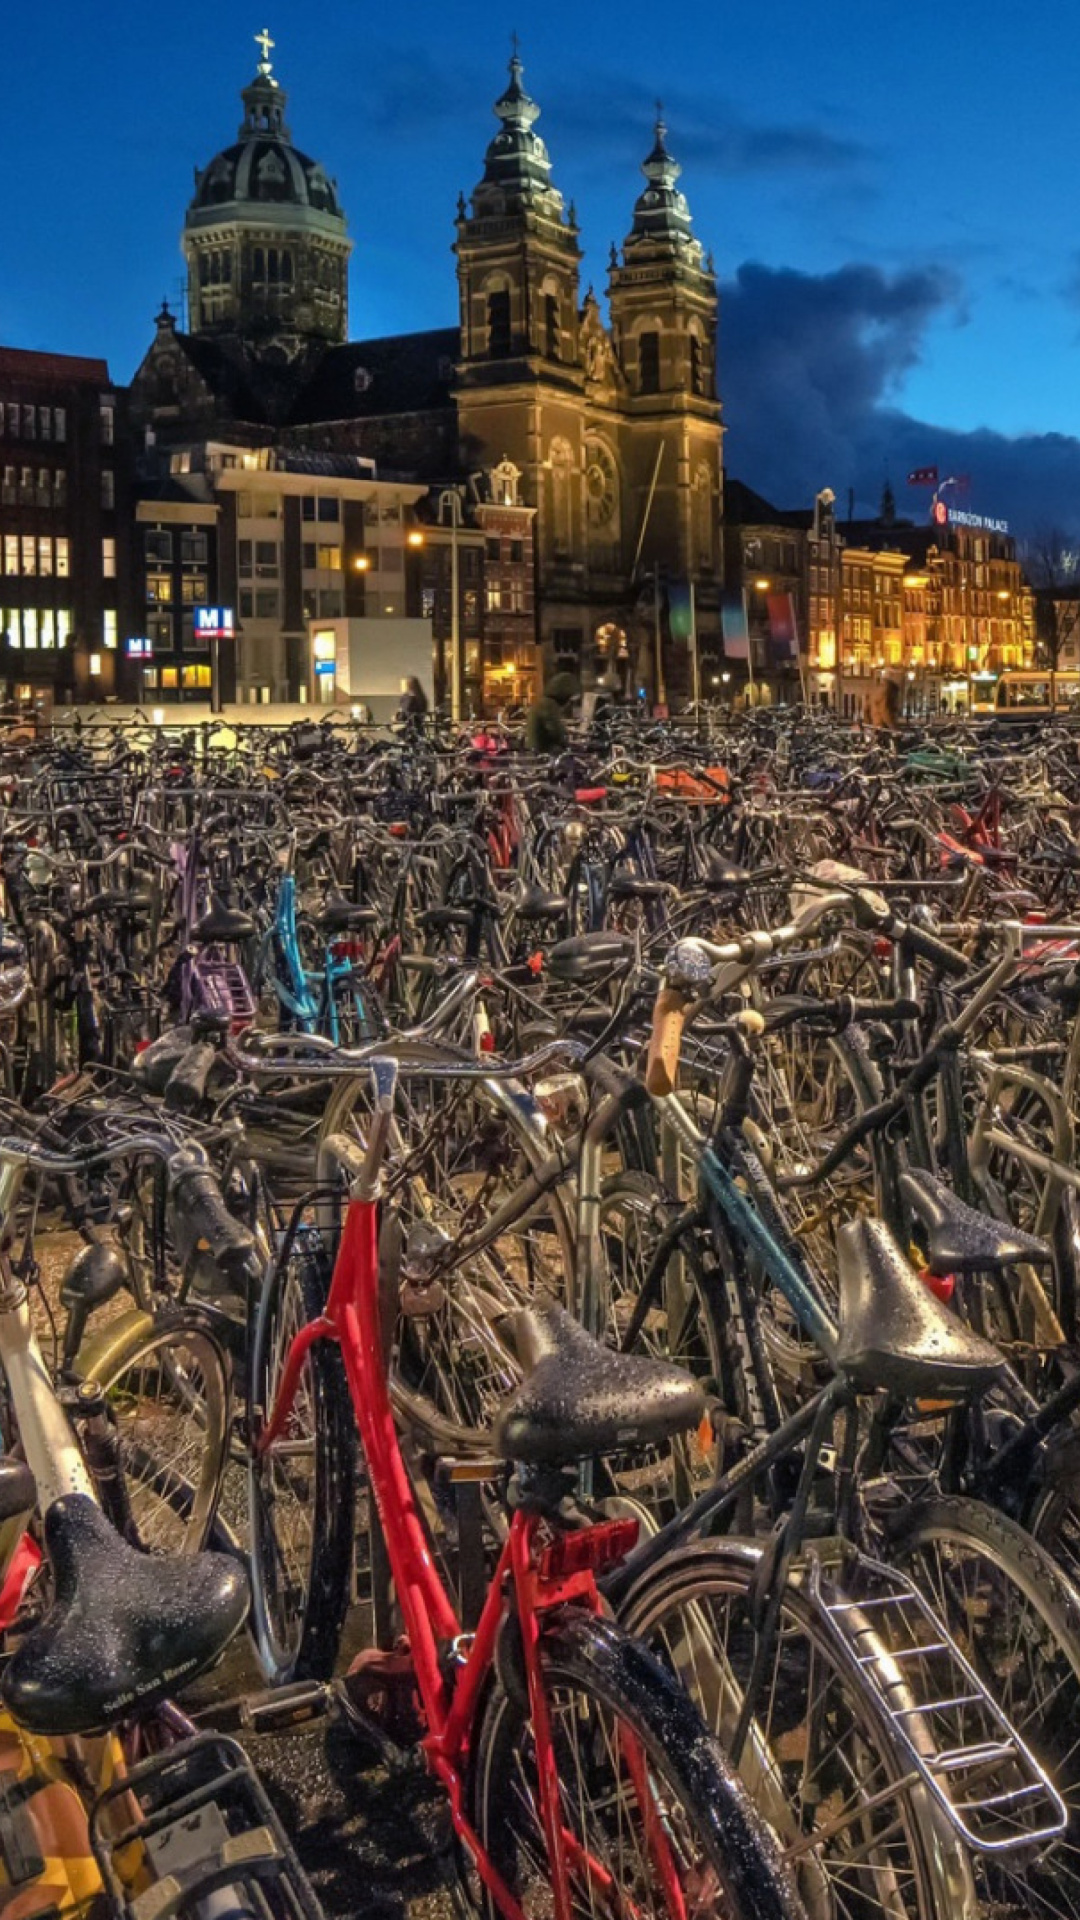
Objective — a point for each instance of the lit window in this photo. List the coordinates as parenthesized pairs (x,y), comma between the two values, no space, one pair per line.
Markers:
(11,553)
(107,417)
(108,627)
(95,663)
(197,676)
(29,553)
(44,423)
(30,631)
(62,558)
(330,559)
(169,678)
(493,596)
(193,589)
(108,557)
(44,554)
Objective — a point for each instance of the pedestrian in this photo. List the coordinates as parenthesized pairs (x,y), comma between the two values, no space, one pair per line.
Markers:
(883,704)
(545,722)
(414,701)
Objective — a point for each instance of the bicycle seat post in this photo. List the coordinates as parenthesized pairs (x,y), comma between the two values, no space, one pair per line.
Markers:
(366,1185)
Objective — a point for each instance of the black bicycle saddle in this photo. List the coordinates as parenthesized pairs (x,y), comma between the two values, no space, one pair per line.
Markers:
(221,924)
(894,1332)
(124,1629)
(960,1240)
(580,1399)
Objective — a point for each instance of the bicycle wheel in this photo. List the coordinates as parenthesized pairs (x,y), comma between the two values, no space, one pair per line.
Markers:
(461,1151)
(302,1491)
(632,1762)
(683,1321)
(1017,1619)
(166,1382)
(820,1759)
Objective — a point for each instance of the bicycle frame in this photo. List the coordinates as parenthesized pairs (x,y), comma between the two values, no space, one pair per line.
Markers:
(352,1318)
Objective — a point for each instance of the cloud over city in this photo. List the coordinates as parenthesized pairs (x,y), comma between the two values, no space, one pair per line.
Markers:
(811,368)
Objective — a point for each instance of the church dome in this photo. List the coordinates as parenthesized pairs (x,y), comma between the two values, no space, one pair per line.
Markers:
(263,169)
(264,236)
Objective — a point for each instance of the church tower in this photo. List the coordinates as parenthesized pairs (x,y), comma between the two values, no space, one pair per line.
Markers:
(518,254)
(663,305)
(264,238)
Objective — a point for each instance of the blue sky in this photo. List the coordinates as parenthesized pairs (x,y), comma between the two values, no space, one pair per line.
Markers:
(889,194)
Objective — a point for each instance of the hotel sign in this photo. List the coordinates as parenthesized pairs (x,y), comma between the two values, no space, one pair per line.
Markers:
(215,623)
(943,516)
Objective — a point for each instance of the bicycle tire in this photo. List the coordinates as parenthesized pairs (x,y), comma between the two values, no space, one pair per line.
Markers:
(175,1448)
(941,1540)
(895,1855)
(307,1484)
(595,1676)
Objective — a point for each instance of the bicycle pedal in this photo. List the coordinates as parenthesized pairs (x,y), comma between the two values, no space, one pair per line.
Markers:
(283,1707)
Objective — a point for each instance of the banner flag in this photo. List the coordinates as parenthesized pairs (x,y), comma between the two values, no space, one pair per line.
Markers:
(733,625)
(783,632)
(680,617)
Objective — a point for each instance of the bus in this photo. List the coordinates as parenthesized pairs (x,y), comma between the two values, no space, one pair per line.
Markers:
(1028,696)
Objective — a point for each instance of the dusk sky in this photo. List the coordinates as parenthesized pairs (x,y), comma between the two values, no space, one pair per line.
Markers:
(890,195)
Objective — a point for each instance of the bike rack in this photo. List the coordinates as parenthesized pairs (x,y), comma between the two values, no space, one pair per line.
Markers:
(950,1730)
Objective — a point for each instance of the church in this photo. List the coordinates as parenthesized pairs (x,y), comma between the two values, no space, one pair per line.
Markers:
(601,429)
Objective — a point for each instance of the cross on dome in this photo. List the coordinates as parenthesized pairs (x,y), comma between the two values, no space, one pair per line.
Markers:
(264,41)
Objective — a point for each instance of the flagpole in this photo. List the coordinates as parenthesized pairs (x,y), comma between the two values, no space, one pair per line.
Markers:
(695,659)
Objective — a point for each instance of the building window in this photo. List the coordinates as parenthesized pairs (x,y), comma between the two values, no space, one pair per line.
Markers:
(247,603)
(9,490)
(329,558)
(159,589)
(107,416)
(493,549)
(193,589)
(193,548)
(108,558)
(62,563)
(44,554)
(330,607)
(158,544)
(108,627)
(44,487)
(244,558)
(696,382)
(29,553)
(427,603)
(517,552)
(470,605)
(649,363)
(266,604)
(329,507)
(29,423)
(552,340)
(11,553)
(266,559)
(197,676)
(59,498)
(493,596)
(108,489)
(498,324)
(516,603)
(44,415)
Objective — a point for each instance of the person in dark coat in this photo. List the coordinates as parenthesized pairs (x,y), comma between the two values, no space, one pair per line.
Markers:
(545,722)
(414,703)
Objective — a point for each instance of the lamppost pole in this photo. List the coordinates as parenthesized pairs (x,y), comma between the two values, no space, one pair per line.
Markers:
(452,496)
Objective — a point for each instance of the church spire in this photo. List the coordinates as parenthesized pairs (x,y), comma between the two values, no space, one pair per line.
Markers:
(661,214)
(264,99)
(517,166)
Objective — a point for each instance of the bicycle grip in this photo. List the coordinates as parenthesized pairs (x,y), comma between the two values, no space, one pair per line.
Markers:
(929,947)
(185,1089)
(665,1041)
(201,1220)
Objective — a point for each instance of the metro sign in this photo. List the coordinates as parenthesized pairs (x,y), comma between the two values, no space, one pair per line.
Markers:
(215,623)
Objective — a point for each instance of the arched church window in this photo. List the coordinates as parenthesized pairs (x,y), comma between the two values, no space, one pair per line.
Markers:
(648,362)
(498,323)
(552,329)
(272,263)
(697,374)
(258,266)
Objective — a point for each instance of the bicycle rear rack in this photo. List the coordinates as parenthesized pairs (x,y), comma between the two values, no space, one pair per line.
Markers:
(949,1728)
(225,987)
(190,1822)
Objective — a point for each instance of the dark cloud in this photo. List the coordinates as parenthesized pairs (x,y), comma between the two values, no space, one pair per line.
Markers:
(408,92)
(810,366)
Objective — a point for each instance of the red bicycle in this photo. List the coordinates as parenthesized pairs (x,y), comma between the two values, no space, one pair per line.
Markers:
(580,1777)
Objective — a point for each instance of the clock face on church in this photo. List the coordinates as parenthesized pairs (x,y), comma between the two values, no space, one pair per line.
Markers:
(601,487)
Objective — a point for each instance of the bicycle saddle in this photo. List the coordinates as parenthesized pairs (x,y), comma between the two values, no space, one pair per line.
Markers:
(589,956)
(124,1629)
(222,923)
(894,1332)
(537,904)
(579,1398)
(960,1240)
(634,886)
(338,915)
(720,872)
(121,902)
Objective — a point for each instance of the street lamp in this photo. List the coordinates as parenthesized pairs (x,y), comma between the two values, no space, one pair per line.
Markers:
(362,563)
